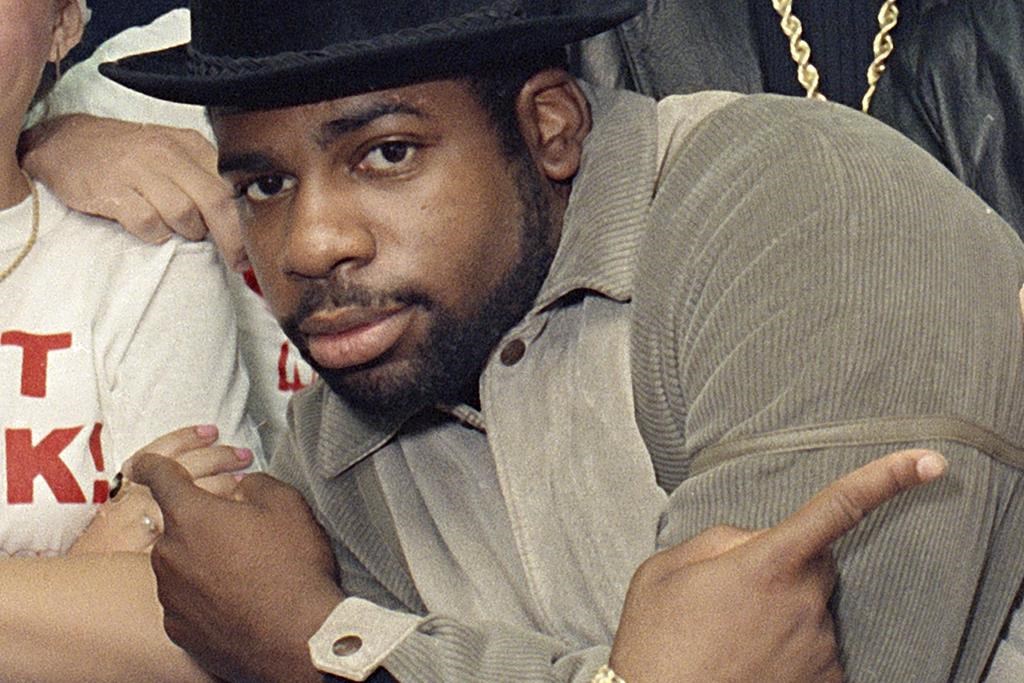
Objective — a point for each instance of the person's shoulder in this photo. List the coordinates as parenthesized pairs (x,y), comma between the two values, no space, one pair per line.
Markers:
(711,128)
(683,115)
(783,123)
(695,105)
(112,252)
(678,115)
(167,30)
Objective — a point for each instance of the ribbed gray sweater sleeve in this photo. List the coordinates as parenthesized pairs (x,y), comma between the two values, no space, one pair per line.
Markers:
(807,267)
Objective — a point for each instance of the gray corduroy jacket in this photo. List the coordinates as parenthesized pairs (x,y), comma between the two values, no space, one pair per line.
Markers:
(803,290)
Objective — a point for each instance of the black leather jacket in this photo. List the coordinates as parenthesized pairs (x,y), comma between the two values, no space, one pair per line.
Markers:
(954,83)
(682,46)
(956,87)
(676,47)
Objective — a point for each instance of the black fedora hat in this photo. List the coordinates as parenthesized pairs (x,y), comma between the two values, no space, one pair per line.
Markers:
(260,54)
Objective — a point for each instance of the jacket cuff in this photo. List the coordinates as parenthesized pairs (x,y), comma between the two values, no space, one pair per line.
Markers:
(357,636)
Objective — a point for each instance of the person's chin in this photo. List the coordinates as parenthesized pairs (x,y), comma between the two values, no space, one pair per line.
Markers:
(386,385)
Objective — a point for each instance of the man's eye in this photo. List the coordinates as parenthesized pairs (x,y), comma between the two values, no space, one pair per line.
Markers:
(267,187)
(387,156)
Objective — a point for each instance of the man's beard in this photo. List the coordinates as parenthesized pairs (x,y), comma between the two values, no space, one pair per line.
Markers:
(446,367)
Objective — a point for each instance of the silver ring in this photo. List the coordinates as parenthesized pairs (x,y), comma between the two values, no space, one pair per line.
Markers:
(149,523)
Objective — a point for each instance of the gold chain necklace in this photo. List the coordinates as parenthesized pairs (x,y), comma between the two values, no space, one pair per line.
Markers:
(32,236)
(800,51)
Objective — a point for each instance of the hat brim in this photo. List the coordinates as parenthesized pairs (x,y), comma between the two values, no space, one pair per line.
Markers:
(343,70)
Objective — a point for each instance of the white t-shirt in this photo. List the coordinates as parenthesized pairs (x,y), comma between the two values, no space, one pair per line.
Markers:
(275,367)
(105,344)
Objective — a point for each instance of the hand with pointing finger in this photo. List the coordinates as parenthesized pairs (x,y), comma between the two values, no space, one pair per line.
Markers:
(244,581)
(734,605)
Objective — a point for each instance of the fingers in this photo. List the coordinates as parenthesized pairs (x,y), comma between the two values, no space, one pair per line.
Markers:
(186,190)
(182,440)
(169,482)
(205,462)
(226,229)
(212,198)
(171,202)
(157,180)
(195,459)
(839,507)
(221,485)
(130,522)
(124,205)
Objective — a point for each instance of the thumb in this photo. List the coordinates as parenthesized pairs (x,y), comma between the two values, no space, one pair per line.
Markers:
(168,481)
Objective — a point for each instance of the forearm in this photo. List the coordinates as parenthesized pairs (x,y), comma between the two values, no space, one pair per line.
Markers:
(88,617)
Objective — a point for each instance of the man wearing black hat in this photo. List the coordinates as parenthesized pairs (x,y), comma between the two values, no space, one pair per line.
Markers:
(561,328)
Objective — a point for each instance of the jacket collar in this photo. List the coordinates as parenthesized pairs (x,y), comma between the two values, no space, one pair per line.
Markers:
(347,434)
(602,228)
(604,221)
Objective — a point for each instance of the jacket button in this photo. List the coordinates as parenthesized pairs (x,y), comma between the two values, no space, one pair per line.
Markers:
(513,352)
(349,645)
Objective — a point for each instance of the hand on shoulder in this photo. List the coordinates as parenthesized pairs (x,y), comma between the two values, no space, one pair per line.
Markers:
(154,180)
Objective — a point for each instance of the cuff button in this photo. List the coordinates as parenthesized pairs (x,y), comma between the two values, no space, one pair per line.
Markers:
(347,646)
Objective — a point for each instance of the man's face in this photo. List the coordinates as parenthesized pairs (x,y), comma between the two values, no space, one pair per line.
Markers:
(393,238)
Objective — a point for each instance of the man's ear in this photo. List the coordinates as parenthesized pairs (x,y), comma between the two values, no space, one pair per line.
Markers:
(67,29)
(554,117)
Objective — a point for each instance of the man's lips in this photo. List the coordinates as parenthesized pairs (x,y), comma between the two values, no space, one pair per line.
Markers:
(347,337)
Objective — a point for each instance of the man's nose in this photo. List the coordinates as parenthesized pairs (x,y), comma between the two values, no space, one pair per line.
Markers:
(326,231)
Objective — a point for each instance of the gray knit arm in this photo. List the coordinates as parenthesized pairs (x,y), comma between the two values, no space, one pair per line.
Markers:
(809,273)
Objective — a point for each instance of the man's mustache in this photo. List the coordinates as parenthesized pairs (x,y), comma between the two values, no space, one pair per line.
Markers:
(321,297)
